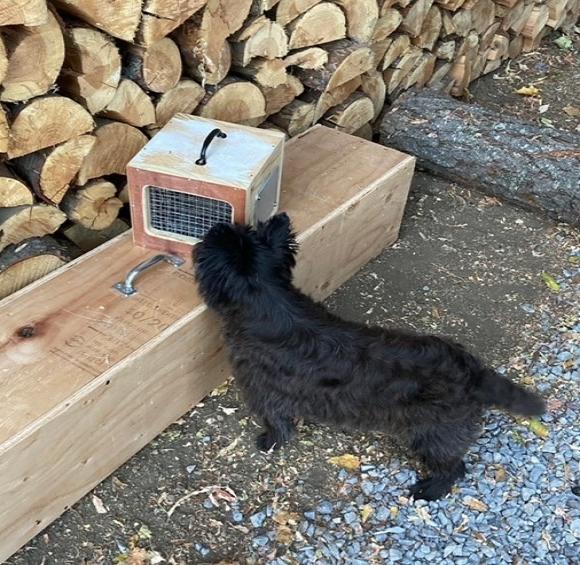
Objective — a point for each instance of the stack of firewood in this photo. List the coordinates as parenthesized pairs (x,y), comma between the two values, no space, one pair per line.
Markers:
(85,83)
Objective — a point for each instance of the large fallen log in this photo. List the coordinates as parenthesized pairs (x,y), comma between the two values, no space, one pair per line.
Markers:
(529,165)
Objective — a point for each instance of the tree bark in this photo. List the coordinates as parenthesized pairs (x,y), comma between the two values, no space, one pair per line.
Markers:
(531,166)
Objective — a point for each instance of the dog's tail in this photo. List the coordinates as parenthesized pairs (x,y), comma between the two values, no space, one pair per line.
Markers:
(497,391)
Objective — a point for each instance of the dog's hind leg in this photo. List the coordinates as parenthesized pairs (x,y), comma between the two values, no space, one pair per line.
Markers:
(442,453)
(278,431)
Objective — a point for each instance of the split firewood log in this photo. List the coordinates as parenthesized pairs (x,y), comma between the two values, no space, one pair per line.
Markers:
(445,50)
(516,18)
(22,222)
(414,17)
(265,72)
(95,206)
(536,21)
(430,31)
(346,60)
(47,121)
(373,85)
(261,6)
(361,18)
(51,171)
(87,239)
(309,58)
(181,99)
(23,12)
(13,191)
(330,98)
(35,58)
(459,23)
(400,68)
(289,10)
(381,39)
(203,38)
(92,68)
(482,15)
(295,118)
(156,68)
(32,259)
(399,46)
(260,37)
(365,132)
(529,165)
(280,96)
(4,131)
(236,101)
(352,114)
(323,23)
(116,144)
(117,18)
(557,9)
(439,76)
(161,17)
(3,60)
(130,105)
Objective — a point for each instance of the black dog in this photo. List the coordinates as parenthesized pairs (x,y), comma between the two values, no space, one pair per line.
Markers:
(293,359)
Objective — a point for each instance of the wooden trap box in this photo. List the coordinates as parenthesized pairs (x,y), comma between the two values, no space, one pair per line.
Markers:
(88,377)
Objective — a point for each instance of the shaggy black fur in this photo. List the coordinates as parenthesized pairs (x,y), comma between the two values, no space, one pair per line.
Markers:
(293,359)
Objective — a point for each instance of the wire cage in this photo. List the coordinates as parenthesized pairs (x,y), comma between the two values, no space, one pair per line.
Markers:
(195,173)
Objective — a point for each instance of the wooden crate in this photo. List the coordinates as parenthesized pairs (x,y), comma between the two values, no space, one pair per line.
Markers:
(88,377)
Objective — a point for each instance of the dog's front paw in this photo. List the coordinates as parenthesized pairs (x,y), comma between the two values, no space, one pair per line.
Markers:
(267,442)
(431,488)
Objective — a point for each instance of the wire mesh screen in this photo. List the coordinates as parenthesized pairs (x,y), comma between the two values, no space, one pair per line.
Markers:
(185,214)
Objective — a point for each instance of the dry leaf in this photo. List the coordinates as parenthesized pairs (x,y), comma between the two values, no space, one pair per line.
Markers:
(475,504)
(138,556)
(572,111)
(551,282)
(284,518)
(366,512)
(500,474)
(346,461)
(285,535)
(144,533)
(538,428)
(221,390)
(99,505)
(528,91)
(222,493)
(155,557)
(394,511)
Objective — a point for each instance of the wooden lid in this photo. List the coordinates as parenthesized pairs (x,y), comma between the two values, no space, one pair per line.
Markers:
(233,161)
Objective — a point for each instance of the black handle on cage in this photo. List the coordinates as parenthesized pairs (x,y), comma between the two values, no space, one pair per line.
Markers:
(217,132)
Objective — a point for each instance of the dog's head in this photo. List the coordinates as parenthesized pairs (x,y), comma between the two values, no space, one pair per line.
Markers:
(234,262)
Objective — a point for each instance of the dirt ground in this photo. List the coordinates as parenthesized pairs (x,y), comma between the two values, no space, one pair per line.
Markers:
(466,266)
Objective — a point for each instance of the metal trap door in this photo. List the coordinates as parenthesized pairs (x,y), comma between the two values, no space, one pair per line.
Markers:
(184,216)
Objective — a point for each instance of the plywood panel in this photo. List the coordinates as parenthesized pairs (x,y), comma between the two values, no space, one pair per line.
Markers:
(88,377)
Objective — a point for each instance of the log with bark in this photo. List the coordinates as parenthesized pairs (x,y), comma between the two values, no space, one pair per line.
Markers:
(32,259)
(50,172)
(260,37)
(22,222)
(156,68)
(182,98)
(13,191)
(94,206)
(529,165)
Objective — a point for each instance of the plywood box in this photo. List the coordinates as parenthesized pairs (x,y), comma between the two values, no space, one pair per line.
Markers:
(88,377)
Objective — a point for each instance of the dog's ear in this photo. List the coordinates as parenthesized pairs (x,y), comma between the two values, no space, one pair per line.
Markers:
(225,264)
(278,235)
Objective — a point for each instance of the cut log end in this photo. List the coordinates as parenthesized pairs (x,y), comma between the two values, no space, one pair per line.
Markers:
(95,206)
